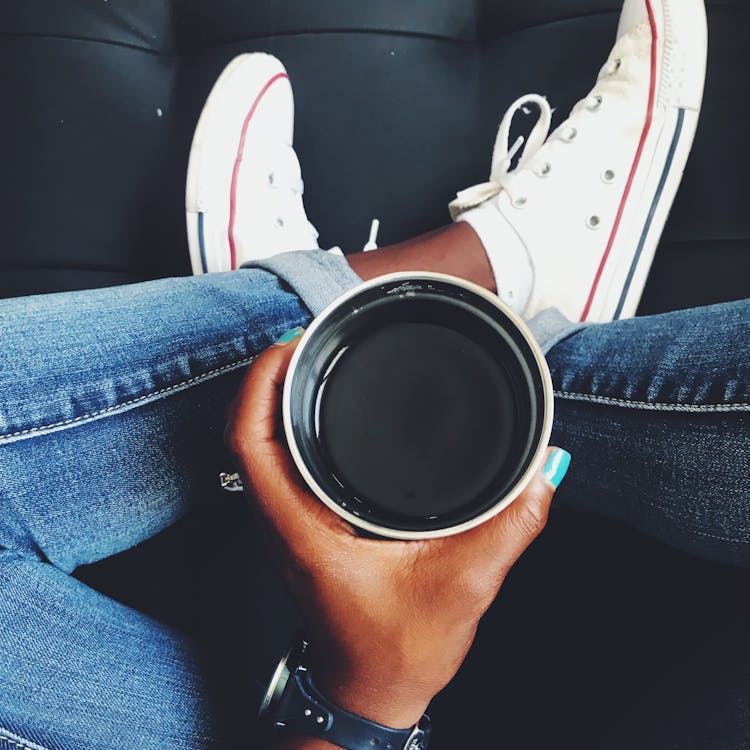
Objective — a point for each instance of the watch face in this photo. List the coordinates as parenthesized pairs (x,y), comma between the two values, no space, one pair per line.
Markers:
(420,737)
(285,669)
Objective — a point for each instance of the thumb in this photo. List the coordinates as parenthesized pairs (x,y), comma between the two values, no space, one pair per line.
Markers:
(498,543)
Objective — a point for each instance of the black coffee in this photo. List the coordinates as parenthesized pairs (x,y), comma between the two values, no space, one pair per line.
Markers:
(418,419)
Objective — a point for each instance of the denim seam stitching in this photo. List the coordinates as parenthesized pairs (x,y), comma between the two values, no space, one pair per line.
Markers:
(115,407)
(676,517)
(13,743)
(609,401)
(718,537)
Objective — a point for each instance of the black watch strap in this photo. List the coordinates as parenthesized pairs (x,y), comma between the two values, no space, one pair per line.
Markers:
(303,709)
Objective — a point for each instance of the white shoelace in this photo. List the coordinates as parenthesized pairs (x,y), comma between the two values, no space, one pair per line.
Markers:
(502,175)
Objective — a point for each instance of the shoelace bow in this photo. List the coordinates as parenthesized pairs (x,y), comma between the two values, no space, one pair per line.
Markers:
(502,175)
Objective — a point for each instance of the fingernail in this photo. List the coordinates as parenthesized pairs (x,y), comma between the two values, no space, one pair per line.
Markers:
(290,336)
(556,468)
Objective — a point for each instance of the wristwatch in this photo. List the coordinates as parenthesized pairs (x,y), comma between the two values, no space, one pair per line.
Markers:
(294,705)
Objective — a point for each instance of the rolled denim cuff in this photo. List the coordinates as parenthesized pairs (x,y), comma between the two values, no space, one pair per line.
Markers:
(550,327)
(316,276)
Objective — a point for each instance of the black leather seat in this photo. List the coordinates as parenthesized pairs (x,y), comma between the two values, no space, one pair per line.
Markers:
(397,106)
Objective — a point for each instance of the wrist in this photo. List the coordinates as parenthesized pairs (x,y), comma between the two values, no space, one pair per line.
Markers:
(390,704)
(350,711)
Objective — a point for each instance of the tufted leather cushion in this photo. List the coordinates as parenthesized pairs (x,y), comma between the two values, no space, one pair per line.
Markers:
(397,104)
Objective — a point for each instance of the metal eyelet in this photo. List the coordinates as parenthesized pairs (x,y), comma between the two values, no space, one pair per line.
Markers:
(270,178)
(546,169)
(595,107)
(571,135)
(593,222)
(608,176)
(519,202)
(280,221)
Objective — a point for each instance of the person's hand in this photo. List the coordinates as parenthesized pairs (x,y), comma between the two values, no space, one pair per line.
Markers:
(389,622)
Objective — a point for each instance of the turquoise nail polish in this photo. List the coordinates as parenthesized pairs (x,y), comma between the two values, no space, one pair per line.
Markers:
(290,336)
(556,468)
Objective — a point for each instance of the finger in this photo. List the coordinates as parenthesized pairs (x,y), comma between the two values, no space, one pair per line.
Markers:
(495,546)
(255,436)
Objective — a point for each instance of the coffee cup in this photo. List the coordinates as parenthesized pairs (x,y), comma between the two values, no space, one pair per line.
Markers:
(417,406)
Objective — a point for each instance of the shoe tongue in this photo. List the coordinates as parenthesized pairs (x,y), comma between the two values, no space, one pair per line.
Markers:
(633,15)
(285,178)
(284,170)
(633,42)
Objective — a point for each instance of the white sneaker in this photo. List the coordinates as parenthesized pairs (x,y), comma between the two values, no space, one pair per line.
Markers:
(575,225)
(244,187)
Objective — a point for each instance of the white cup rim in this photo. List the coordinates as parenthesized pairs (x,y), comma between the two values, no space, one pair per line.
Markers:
(539,451)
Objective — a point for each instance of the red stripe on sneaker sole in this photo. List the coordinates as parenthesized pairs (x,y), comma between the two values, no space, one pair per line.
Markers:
(634,168)
(238,161)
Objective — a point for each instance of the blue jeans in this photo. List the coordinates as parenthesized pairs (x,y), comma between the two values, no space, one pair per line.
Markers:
(111,419)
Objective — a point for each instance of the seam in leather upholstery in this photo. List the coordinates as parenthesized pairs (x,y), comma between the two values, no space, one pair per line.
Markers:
(153,395)
(74,38)
(315,32)
(650,406)
(708,240)
(178,49)
(68,267)
(590,14)
(548,22)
